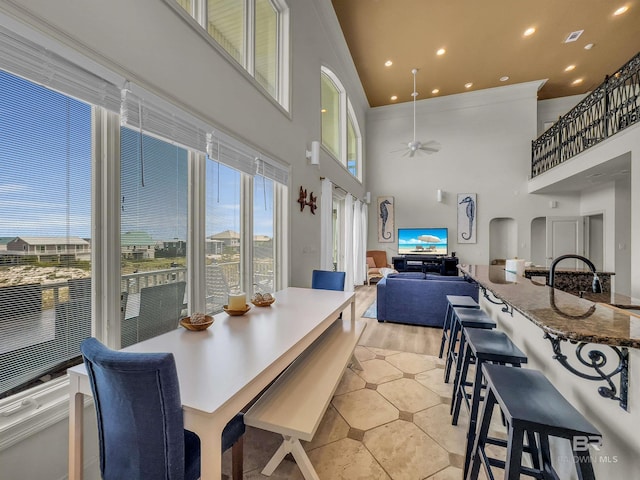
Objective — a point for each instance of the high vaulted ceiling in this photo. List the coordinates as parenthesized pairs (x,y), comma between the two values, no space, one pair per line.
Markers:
(484,42)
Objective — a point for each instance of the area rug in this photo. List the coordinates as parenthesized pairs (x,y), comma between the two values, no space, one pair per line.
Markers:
(371,311)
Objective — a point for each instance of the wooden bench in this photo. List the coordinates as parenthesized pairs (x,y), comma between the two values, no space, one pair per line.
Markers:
(295,403)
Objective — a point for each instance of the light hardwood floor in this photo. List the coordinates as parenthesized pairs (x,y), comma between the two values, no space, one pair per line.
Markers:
(394,336)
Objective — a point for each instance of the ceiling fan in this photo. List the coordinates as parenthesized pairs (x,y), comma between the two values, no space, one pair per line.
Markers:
(416,145)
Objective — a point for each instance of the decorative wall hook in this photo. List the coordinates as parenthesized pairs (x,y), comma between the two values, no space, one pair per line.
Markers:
(312,203)
(302,200)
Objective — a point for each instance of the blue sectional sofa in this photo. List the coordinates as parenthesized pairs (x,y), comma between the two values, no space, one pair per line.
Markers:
(419,299)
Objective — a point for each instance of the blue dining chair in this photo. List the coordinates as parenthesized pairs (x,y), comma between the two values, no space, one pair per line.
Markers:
(140,426)
(327,280)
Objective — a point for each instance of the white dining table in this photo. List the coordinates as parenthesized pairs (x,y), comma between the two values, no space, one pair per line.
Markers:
(220,370)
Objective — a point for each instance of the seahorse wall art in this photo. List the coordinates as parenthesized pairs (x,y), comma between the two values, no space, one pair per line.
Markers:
(386,220)
(467,218)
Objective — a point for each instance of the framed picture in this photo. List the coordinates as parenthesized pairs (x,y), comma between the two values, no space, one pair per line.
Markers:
(386,220)
(467,210)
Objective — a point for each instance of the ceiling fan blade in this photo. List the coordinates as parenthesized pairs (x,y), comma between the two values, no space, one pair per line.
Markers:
(430,147)
(411,153)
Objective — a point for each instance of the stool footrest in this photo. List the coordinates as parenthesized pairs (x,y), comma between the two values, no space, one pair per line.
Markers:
(503,443)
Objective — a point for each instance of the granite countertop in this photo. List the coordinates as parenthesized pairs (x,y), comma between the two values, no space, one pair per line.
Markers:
(578,271)
(596,318)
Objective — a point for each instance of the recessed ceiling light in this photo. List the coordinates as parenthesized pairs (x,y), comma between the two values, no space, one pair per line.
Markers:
(621,10)
(435,91)
(588,46)
(441,51)
(504,79)
(394,97)
(529,31)
(323,110)
(577,81)
(468,85)
(388,63)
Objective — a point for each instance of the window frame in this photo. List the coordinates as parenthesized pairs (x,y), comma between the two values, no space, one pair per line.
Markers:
(197,18)
(346,113)
(351,116)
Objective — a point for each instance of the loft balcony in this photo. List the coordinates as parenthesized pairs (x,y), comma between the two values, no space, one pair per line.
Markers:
(611,108)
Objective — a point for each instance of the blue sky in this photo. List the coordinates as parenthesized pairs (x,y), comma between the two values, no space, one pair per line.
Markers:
(45,174)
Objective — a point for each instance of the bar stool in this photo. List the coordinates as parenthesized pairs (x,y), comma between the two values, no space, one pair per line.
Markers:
(529,402)
(482,346)
(463,301)
(463,318)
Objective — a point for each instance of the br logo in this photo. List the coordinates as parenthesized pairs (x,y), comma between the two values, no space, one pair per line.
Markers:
(580,443)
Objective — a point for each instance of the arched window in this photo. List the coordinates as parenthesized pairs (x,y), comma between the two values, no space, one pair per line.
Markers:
(340,131)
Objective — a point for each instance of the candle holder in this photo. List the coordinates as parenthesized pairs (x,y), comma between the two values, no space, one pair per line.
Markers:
(236,312)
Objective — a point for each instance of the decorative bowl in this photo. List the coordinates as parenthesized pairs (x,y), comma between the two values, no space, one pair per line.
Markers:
(196,327)
(263,303)
(235,313)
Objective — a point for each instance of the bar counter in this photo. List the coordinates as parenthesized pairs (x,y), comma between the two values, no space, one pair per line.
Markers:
(586,347)
(596,318)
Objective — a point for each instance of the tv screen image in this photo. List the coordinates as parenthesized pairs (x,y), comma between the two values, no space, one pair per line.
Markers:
(425,241)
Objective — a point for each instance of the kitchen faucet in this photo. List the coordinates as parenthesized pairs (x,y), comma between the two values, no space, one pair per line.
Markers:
(595,286)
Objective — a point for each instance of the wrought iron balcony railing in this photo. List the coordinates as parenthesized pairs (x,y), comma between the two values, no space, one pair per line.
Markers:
(609,109)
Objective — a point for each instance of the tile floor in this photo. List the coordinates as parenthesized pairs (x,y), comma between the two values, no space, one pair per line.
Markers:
(389,421)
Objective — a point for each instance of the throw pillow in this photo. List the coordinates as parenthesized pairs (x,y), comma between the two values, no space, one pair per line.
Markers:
(370,262)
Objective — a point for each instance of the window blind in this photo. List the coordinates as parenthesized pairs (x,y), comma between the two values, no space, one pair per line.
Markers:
(273,171)
(33,62)
(142,111)
(45,167)
(232,153)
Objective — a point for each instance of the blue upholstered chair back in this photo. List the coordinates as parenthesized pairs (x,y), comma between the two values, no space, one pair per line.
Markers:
(140,426)
(326,280)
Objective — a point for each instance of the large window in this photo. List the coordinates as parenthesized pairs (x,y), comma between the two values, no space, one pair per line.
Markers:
(222,242)
(330,110)
(340,132)
(45,230)
(352,148)
(263,235)
(226,25)
(254,33)
(153,235)
(266,46)
(102,188)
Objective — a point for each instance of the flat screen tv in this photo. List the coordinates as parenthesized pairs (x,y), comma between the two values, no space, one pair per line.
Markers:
(424,241)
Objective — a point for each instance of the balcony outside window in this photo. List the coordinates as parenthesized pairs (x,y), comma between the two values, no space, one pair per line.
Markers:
(45,166)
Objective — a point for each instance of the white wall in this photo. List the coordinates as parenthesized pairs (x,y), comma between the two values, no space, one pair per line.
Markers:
(550,110)
(624,260)
(619,216)
(147,42)
(502,239)
(601,200)
(486,149)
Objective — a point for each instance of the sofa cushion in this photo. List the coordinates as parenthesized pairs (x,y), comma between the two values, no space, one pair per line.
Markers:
(408,275)
(442,278)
